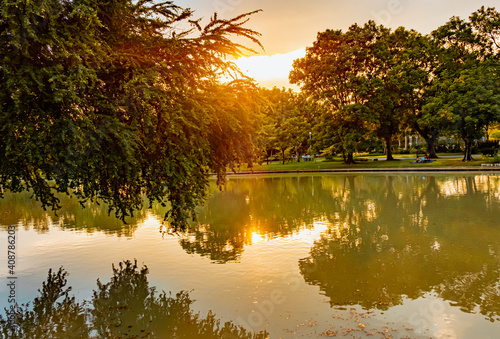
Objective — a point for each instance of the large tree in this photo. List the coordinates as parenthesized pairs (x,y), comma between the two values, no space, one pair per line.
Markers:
(111,101)
(465,84)
(470,100)
(370,77)
(330,73)
(381,85)
(413,72)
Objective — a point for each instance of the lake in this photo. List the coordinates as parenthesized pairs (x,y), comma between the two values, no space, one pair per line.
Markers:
(361,255)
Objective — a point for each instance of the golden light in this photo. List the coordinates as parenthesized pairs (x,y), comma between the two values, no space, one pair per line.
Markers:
(256,238)
(265,68)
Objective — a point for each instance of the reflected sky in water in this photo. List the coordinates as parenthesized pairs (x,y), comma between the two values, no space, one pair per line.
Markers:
(297,255)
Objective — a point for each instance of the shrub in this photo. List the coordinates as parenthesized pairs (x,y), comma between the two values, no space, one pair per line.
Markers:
(488,148)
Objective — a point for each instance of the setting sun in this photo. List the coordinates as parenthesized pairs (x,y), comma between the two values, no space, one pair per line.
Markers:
(268,70)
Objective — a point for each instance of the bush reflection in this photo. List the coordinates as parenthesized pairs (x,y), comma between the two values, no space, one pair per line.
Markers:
(125,307)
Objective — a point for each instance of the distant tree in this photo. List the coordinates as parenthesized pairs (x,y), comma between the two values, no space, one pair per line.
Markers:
(340,131)
(371,77)
(465,85)
(471,101)
(486,23)
(111,101)
(278,107)
(300,126)
(382,85)
(414,68)
(287,122)
(329,73)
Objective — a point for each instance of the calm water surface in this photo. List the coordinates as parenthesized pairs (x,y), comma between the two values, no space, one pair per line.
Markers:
(399,255)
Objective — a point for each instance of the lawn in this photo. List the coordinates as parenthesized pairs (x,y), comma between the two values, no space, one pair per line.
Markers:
(404,161)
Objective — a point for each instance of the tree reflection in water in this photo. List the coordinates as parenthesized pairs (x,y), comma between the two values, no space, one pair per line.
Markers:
(389,237)
(270,207)
(21,209)
(125,307)
(407,240)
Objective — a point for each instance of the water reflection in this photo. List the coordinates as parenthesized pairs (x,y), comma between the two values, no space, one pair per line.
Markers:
(387,237)
(258,207)
(281,206)
(125,307)
(266,208)
(21,209)
(400,237)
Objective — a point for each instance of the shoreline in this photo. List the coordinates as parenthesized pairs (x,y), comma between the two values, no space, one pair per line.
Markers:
(372,170)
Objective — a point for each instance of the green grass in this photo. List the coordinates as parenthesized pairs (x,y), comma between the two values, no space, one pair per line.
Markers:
(406,161)
(409,156)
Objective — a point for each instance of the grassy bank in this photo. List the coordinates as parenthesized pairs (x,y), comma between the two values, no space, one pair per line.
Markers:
(404,161)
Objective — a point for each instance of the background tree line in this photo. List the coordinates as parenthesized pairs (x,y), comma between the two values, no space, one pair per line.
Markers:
(369,85)
(375,82)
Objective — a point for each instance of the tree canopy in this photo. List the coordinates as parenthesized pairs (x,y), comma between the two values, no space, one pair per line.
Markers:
(360,74)
(465,84)
(110,100)
(378,82)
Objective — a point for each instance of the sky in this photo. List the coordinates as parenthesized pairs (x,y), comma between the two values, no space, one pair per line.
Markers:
(289,26)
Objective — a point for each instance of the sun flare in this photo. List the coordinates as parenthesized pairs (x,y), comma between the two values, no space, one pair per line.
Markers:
(264,68)
(256,238)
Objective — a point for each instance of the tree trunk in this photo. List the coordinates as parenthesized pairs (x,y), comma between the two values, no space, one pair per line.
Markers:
(467,151)
(297,154)
(388,148)
(430,140)
(431,148)
(283,156)
(470,184)
(349,160)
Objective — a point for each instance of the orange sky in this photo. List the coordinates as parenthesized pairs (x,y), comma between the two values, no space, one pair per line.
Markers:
(288,26)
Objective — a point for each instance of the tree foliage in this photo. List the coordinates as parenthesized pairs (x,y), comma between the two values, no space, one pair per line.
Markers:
(367,77)
(330,73)
(465,87)
(111,101)
(377,81)
(287,122)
